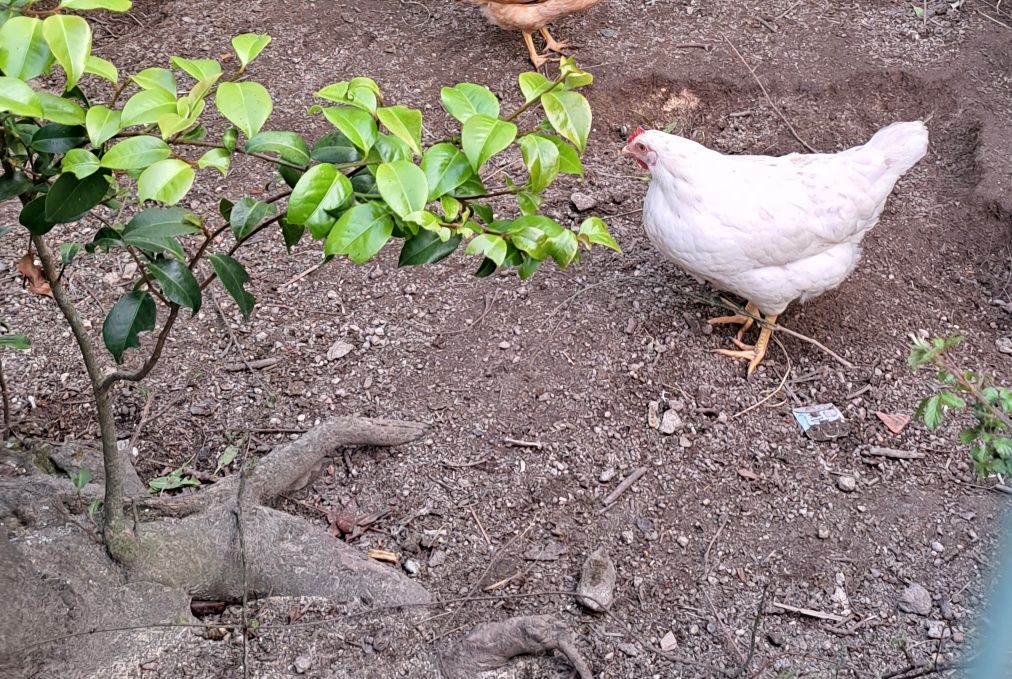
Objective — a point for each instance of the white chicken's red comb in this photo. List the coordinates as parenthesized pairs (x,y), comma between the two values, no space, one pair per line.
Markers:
(632,137)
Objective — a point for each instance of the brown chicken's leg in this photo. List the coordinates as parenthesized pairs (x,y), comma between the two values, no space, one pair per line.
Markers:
(550,42)
(537,59)
(738,319)
(754,354)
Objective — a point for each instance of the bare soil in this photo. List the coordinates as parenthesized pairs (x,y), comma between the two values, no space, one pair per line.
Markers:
(734,501)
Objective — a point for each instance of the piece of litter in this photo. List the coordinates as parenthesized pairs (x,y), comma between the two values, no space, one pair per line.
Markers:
(894,423)
(822,422)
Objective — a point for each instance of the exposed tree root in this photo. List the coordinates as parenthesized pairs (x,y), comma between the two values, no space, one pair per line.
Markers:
(493,644)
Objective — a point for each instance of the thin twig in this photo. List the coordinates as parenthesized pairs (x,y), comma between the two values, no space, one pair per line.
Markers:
(626,484)
(523,444)
(487,307)
(773,393)
(474,515)
(769,98)
(755,631)
(5,397)
(709,546)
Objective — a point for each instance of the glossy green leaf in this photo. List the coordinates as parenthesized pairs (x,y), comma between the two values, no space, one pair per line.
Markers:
(403,186)
(573,77)
(60,109)
(248,46)
(167,181)
(569,113)
(482,137)
(569,157)
(355,124)
(533,85)
(136,153)
(291,233)
(288,146)
(68,251)
(201,70)
(246,105)
(70,198)
(145,107)
(491,246)
(321,189)
(426,248)
(404,123)
(18,98)
(362,93)
(594,230)
(133,314)
(155,230)
(81,162)
(562,247)
(528,267)
(233,277)
(445,167)
(451,207)
(13,183)
(177,282)
(172,123)
(360,233)
(110,5)
(467,99)
(335,148)
(33,217)
(541,157)
(102,123)
(69,39)
(103,69)
(486,268)
(247,214)
(15,341)
(219,159)
(24,53)
(156,79)
(55,138)
(388,148)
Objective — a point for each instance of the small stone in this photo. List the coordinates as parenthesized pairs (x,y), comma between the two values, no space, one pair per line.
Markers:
(412,568)
(670,422)
(668,643)
(945,606)
(683,541)
(938,629)
(628,537)
(653,414)
(823,533)
(339,349)
(848,484)
(607,475)
(915,599)
(937,547)
(582,202)
(957,636)
(629,650)
(693,630)
(608,32)
(204,408)
(597,581)
(438,558)
(775,639)
(711,628)
(684,442)
(1004,345)
(504,345)
(303,663)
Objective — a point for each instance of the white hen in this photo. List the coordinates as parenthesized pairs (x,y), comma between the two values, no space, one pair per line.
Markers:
(769,229)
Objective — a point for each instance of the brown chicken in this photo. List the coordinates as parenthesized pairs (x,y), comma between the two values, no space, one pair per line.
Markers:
(528,16)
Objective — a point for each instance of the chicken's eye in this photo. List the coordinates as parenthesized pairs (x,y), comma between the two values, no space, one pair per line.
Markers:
(640,148)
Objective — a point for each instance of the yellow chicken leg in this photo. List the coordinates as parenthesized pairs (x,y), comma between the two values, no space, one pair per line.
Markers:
(754,354)
(550,43)
(738,319)
(537,59)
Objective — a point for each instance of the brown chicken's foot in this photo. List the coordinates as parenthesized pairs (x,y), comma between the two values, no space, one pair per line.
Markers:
(538,60)
(551,43)
(739,319)
(753,354)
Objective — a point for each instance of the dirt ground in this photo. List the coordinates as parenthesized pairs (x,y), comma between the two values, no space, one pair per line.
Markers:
(737,499)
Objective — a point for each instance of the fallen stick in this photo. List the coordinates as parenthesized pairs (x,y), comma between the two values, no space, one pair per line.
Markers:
(624,486)
(523,444)
(809,612)
(892,453)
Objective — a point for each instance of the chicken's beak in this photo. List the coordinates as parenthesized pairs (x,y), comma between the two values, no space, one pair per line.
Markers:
(625,151)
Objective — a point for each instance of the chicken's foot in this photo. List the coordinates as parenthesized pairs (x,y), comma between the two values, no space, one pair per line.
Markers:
(753,354)
(739,319)
(538,60)
(551,44)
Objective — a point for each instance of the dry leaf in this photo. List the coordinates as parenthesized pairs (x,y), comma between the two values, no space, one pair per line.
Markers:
(383,555)
(294,614)
(894,423)
(36,280)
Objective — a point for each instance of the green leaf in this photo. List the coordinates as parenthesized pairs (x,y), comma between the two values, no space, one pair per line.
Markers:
(71,198)
(404,123)
(33,217)
(18,98)
(201,70)
(177,282)
(102,124)
(355,124)
(335,148)
(484,212)
(111,5)
(15,341)
(155,230)
(482,137)
(360,233)
(950,400)
(321,189)
(60,109)
(426,248)
(136,153)
(133,314)
(562,247)
(388,148)
(81,162)
(105,239)
(486,268)
(172,123)
(403,186)
(491,246)
(467,99)
(233,276)
(573,77)
(102,68)
(156,79)
(171,481)
(430,222)
(219,159)
(69,39)
(533,85)
(541,157)
(569,113)
(146,107)
(55,138)
(167,181)
(361,93)
(226,458)
(81,478)
(569,157)
(291,233)
(288,146)
(24,53)
(13,183)
(445,167)
(248,46)
(247,214)
(931,410)
(451,207)
(246,105)
(594,230)
(528,267)
(68,251)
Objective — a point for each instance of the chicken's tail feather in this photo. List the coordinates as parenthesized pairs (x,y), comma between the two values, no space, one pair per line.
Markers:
(903,144)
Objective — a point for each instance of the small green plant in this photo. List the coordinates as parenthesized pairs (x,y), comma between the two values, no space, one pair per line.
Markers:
(93,508)
(226,458)
(8,340)
(172,481)
(80,479)
(990,405)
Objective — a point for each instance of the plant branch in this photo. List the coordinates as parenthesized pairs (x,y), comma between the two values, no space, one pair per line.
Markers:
(156,354)
(6,404)
(943,361)
(533,102)
(144,275)
(493,194)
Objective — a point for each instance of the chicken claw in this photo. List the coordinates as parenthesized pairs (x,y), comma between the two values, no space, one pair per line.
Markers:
(739,319)
(753,354)
(551,44)
(538,60)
